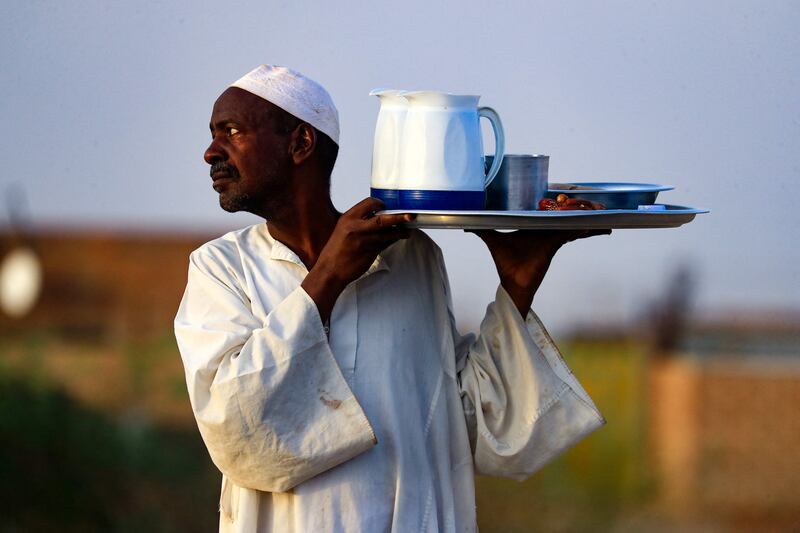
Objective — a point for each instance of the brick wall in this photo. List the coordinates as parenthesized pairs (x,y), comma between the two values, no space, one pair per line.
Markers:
(102,284)
(725,433)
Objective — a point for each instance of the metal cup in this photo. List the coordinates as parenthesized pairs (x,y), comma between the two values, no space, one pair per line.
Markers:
(519,185)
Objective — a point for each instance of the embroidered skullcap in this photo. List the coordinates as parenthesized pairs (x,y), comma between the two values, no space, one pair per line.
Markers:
(294,93)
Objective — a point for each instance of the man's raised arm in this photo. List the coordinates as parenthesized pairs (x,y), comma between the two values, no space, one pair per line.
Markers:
(270,401)
(522,404)
(269,398)
(357,239)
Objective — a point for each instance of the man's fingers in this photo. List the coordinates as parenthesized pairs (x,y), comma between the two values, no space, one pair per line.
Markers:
(574,235)
(366,208)
(591,233)
(534,238)
(386,236)
(390,221)
(486,235)
(381,223)
(375,243)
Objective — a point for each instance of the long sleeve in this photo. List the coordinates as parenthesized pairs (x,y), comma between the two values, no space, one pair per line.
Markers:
(270,400)
(522,404)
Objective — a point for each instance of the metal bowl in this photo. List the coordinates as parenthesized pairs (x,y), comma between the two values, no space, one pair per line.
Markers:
(611,195)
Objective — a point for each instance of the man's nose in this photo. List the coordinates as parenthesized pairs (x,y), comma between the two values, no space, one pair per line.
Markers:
(214,153)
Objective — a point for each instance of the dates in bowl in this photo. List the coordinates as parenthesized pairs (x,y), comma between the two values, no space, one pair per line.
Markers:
(564,203)
(611,195)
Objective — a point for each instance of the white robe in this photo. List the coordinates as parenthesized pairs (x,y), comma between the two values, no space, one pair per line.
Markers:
(383,426)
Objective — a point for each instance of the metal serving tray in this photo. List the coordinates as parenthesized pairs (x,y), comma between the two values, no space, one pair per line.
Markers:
(671,216)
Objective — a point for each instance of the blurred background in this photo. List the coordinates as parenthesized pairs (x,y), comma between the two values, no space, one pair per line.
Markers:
(688,339)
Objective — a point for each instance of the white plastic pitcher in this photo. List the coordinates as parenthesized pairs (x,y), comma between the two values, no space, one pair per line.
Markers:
(441,156)
(387,145)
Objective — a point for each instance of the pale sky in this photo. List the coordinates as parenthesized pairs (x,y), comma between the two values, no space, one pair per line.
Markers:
(106,108)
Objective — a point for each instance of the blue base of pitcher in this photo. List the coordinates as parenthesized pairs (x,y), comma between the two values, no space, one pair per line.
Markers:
(442,200)
(388,196)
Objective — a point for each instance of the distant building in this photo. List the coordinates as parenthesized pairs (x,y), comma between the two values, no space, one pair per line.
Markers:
(724,419)
(103,284)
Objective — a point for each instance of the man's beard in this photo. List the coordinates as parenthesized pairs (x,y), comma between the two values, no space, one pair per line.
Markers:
(233,203)
(270,202)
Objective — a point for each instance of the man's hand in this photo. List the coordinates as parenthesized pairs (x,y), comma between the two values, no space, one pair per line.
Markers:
(523,257)
(359,236)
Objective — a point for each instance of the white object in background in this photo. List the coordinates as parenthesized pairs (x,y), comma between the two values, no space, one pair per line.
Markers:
(20,282)
(442,163)
(387,145)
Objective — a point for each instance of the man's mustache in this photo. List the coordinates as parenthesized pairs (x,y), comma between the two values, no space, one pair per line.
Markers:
(223,167)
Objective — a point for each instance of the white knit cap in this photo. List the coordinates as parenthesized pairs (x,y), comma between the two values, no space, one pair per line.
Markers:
(295,94)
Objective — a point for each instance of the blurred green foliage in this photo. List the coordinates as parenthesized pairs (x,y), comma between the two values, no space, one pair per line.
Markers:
(67,467)
(594,484)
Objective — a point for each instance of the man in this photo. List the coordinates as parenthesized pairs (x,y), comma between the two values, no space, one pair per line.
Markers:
(323,365)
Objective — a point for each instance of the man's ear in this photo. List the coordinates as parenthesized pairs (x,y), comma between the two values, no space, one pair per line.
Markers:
(303,144)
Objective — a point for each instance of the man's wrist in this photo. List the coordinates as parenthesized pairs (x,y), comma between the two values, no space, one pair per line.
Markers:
(521,296)
(324,287)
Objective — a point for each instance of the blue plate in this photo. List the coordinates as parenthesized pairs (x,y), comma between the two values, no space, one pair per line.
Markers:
(613,195)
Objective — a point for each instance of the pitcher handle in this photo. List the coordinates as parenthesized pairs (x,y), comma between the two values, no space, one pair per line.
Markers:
(499,142)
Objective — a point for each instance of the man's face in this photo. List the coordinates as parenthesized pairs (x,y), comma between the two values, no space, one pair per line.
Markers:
(249,156)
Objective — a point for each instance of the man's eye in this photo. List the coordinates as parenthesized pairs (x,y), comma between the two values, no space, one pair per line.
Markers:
(233,131)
